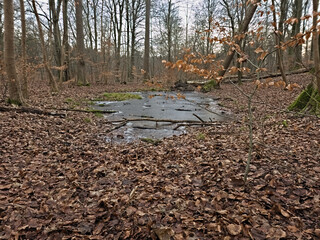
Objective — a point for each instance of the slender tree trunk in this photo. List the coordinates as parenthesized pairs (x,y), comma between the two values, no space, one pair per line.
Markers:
(296,29)
(129,63)
(52,81)
(9,58)
(56,31)
(81,67)
(88,23)
(146,59)
(65,42)
(169,26)
(243,28)
(24,82)
(279,51)
(95,19)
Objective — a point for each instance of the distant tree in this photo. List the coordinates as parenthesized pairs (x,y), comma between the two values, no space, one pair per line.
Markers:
(136,16)
(296,28)
(243,27)
(24,80)
(52,81)
(55,11)
(65,43)
(81,65)
(277,34)
(146,58)
(116,10)
(170,32)
(9,56)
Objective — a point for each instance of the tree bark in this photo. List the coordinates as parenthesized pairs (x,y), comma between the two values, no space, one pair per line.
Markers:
(242,29)
(65,42)
(95,19)
(56,31)
(81,66)
(279,51)
(296,29)
(9,58)
(169,27)
(24,80)
(146,59)
(315,40)
(52,81)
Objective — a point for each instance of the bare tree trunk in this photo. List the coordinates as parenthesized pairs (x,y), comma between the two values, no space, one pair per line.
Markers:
(52,81)
(129,63)
(56,31)
(296,29)
(146,59)
(95,19)
(87,12)
(9,59)
(65,42)
(81,68)
(169,26)
(24,82)
(315,40)
(243,28)
(279,51)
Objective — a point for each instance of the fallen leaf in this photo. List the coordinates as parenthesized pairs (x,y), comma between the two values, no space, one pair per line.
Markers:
(234,229)
(276,233)
(164,233)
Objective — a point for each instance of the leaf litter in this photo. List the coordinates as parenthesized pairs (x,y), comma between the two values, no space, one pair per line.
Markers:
(59,179)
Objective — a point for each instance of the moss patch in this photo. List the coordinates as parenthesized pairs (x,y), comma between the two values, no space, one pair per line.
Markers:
(307,101)
(151,141)
(14,102)
(120,96)
(209,86)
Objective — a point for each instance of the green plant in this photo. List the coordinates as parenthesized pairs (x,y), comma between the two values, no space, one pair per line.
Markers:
(98,114)
(69,100)
(285,123)
(151,141)
(201,136)
(87,120)
(14,102)
(209,86)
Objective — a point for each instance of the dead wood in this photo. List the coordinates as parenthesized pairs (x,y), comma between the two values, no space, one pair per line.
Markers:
(245,78)
(49,112)
(154,120)
(83,110)
(31,110)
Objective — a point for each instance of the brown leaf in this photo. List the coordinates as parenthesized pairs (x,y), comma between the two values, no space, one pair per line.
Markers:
(234,229)
(130,210)
(293,229)
(164,233)
(276,233)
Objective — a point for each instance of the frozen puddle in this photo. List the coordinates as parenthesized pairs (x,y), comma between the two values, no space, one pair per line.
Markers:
(189,106)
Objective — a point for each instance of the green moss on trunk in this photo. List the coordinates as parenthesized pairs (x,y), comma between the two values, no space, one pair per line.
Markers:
(307,101)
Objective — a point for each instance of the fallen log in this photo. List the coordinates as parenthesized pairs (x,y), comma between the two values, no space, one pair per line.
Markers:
(51,113)
(153,120)
(234,78)
(31,110)
(83,110)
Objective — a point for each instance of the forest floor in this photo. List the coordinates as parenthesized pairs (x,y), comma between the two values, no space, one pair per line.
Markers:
(60,179)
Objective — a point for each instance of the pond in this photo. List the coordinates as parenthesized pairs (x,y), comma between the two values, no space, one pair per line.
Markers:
(175,107)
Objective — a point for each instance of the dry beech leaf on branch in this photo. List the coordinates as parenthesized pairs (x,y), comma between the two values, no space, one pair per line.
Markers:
(259,50)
